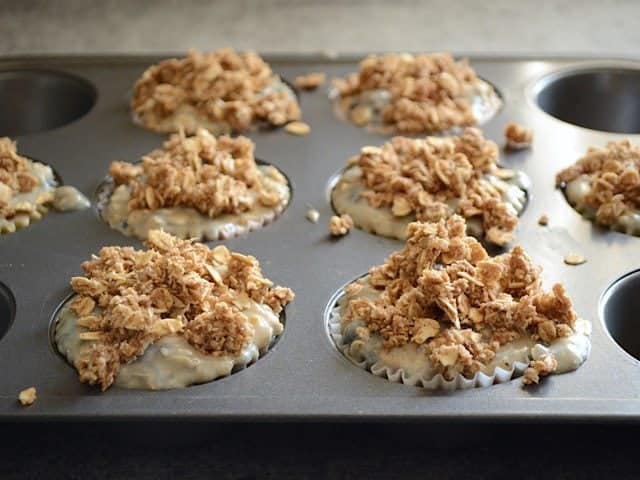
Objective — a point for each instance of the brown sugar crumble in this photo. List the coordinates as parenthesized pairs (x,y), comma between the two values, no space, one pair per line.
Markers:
(310,81)
(419,176)
(212,175)
(224,86)
(428,92)
(443,290)
(340,225)
(517,136)
(16,178)
(130,298)
(614,174)
(27,396)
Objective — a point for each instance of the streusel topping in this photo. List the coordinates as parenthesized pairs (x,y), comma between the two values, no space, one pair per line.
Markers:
(130,298)
(429,92)
(443,290)
(614,177)
(419,176)
(211,175)
(222,86)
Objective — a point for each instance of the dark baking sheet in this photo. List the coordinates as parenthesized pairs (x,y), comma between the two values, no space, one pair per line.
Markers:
(304,377)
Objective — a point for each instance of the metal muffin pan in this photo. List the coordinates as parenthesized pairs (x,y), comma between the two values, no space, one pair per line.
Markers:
(304,377)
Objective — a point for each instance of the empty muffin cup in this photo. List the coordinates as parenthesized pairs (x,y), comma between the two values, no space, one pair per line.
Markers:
(605,98)
(7,309)
(619,307)
(39,100)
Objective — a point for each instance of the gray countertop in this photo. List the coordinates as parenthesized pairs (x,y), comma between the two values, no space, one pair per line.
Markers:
(596,27)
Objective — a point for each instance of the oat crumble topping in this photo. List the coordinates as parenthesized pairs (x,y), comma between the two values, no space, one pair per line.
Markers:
(27,396)
(518,136)
(130,298)
(340,225)
(418,176)
(222,86)
(428,91)
(212,175)
(539,368)
(614,176)
(298,128)
(310,81)
(443,290)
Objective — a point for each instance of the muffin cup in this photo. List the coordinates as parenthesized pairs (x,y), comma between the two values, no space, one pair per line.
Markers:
(227,231)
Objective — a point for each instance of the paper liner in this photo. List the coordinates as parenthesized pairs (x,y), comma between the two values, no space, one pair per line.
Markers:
(398,375)
(225,232)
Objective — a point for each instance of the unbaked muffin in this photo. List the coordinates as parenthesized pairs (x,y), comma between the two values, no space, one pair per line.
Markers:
(604,186)
(194,187)
(223,91)
(383,189)
(404,93)
(170,316)
(441,313)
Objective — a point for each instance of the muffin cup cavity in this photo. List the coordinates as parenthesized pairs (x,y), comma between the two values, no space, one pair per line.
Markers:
(7,309)
(598,97)
(619,307)
(40,100)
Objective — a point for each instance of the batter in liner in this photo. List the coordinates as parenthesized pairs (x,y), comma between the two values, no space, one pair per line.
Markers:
(604,186)
(404,93)
(195,187)
(384,189)
(168,317)
(222,91)
(441,306)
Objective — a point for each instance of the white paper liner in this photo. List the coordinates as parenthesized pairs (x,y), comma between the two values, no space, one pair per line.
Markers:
(398,375)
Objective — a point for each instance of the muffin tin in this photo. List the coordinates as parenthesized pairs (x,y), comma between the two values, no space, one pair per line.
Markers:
(79,109)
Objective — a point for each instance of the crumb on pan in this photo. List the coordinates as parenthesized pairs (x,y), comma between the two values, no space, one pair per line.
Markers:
(574,259)
(614,176)
(418,176)
(222,86)
(175,286)
(340,225)
(539,368)
(428,91)
(27,396)
(313,215)
(298,128)
(212,175)
(310,81)
(543,220)
(443,290)
(517,136)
